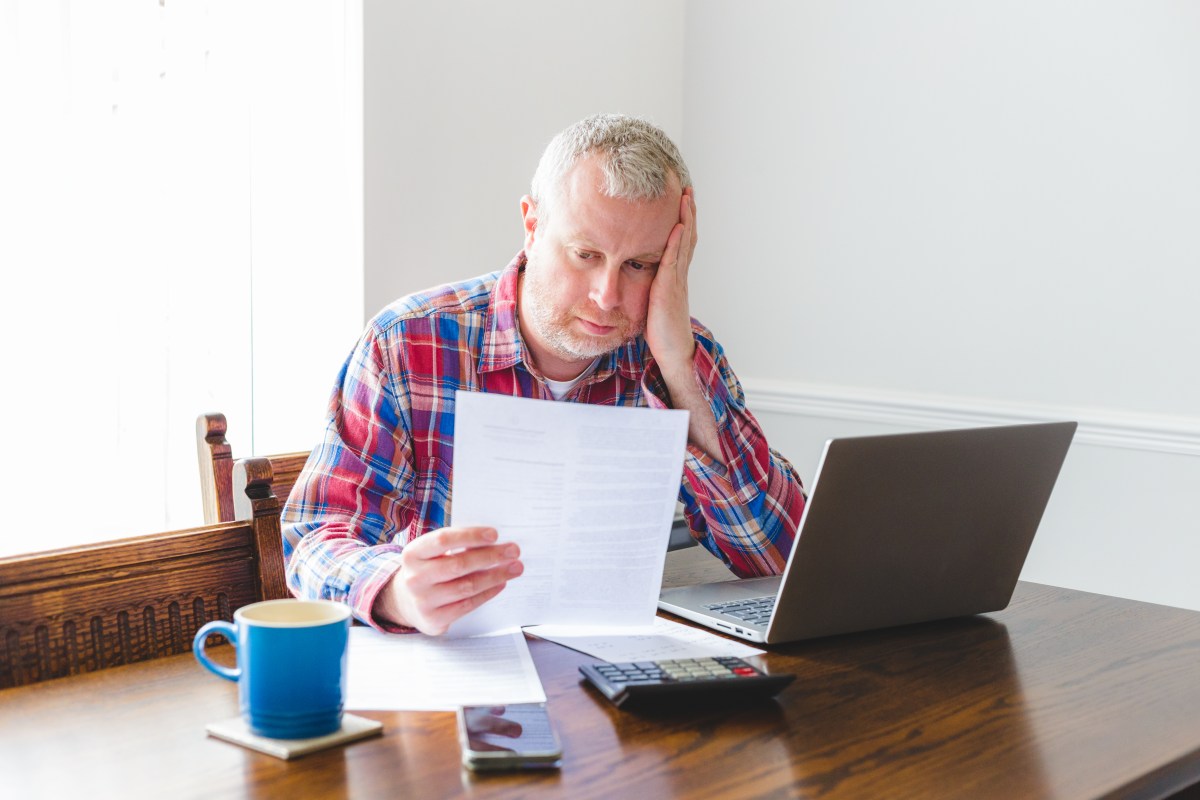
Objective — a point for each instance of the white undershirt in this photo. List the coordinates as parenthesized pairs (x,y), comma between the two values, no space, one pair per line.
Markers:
(559,389)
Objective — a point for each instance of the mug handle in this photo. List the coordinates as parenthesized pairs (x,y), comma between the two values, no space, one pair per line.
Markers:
(225,629)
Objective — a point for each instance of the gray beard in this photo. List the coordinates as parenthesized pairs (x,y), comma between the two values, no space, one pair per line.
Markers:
(562,341)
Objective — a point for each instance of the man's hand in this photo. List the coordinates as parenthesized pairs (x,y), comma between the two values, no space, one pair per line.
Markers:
(668,318)
(445,574)
(669,329)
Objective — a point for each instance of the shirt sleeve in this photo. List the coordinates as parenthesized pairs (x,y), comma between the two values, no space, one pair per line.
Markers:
(745,511)
(344,525)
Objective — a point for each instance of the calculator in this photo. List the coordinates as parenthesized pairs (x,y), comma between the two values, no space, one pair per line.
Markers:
(647,682)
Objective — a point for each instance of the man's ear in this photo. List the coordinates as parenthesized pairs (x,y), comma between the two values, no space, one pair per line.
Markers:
(529,217)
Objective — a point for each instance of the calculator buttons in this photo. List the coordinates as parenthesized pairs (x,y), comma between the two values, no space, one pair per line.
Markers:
(646,680)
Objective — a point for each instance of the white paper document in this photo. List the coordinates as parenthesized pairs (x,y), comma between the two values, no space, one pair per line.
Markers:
(662,641)
(588,492)
(414,672)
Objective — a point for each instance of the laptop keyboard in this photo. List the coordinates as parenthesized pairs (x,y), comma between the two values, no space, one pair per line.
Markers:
(755,611)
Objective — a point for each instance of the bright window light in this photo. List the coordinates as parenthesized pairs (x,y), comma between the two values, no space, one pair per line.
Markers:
(180,232)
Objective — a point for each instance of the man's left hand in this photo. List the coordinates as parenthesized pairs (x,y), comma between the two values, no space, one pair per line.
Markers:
(669,329)
(668,318)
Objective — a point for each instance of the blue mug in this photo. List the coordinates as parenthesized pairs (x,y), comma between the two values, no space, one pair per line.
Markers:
(291,665)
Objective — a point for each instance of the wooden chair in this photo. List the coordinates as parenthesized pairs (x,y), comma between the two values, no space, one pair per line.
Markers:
(216,469)
(81,609)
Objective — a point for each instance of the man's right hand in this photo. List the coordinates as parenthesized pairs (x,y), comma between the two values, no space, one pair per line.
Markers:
(445,574)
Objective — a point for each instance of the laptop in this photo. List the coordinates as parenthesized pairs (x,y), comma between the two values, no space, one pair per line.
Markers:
(898,529)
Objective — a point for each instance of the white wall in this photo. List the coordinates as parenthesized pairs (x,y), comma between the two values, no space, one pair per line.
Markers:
(945,213)
(461,99)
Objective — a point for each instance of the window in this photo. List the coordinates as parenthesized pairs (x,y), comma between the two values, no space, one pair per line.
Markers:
(181,212)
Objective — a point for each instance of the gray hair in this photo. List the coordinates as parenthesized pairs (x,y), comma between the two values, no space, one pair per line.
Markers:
(637,159)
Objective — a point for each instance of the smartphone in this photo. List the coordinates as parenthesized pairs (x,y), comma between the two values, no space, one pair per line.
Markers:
(515,736)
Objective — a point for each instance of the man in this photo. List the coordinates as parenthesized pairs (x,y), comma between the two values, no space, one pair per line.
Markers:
(593,310)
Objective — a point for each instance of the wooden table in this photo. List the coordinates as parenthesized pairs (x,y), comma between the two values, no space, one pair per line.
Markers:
(1064,694)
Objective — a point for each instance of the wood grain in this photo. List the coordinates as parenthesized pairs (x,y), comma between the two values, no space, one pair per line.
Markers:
(215,458)
(1062,695)
(216,461)
(88,608)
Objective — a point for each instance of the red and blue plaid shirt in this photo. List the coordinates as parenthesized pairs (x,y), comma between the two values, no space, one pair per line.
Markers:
(381,475)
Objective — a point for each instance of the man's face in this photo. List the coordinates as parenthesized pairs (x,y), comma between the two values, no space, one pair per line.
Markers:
(586,287)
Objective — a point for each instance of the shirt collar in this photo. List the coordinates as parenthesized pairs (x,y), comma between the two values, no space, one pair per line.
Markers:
(502,344)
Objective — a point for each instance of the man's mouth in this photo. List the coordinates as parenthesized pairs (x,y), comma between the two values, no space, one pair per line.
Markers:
(595,329)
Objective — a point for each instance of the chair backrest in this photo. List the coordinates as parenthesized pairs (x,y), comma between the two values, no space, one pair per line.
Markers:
(216,469)
(80,609)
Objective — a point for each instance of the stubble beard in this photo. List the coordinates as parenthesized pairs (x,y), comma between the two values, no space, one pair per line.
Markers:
(554,328)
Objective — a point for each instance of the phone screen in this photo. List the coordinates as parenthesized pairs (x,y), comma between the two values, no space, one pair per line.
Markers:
(513,735)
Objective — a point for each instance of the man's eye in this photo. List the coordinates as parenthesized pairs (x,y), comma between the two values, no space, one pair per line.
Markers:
(584,256)
(637,265)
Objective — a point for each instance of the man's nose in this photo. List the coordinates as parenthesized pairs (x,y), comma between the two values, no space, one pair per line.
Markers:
(606,289)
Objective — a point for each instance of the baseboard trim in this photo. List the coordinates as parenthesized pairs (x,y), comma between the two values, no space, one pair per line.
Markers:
(1159,434)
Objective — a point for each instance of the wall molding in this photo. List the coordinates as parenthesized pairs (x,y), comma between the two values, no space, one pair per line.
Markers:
(1101,427)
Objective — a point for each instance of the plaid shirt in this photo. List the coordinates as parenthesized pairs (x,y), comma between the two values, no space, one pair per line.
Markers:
(381,475)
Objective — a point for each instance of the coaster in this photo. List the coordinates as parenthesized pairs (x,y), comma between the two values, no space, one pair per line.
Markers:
(237,731)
